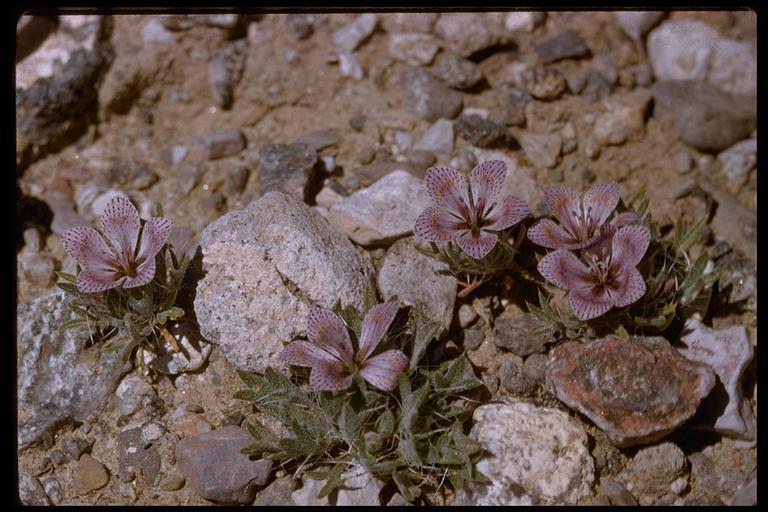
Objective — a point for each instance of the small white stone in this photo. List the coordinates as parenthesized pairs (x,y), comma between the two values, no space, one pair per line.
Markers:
(350,66)
(679,485)
(524,21)
(351,35)
(467,315)
(153,31)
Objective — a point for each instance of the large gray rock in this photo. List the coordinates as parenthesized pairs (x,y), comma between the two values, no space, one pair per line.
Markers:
(31,492)
(217,471)
(266,264)
(540,449)
(692,50)
(707,117)
(291,168)
(58,379)
(470,32)
(418,279)
(383,212)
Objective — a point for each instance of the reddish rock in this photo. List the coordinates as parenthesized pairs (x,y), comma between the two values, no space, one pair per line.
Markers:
(636,390)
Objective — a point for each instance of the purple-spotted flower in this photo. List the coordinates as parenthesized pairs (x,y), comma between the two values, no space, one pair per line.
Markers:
(330,354)
(129,258)
(581,220)
(600,280)
(470,215)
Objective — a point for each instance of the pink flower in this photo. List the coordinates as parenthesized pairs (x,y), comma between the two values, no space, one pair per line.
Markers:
(581,220)
(470,215)
(606,279)
(128,260)
(329,351)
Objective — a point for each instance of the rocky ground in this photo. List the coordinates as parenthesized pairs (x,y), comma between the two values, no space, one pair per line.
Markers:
(342,114)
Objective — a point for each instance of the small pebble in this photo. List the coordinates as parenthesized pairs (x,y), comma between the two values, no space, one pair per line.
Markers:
(86,427)
(52,488)
(591,149)
(467,315)
(172,482)
(682,162)
(58,457)
(679,485)
(127,474)
(357,122)
(473,338)
(75,447)
(235,419)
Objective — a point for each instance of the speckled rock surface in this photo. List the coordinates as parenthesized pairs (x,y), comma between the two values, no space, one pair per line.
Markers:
(266,264)
(636,390)
(539,449)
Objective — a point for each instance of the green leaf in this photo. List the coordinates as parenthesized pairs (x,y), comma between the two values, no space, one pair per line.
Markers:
(407,450)
(72,323)
(404,482)
(411,404)
(385,425)
(622,332)
(67,277)
(251,379)
(333,480)
(425,331)
(691,237)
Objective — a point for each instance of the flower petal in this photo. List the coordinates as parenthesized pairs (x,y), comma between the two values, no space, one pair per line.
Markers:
(565,205)
(625,219)
(631,288)
(506,213)
(121,224)
(436,224)
(599,202)
(477,246)
(629,246)
(375,325)
(97,280)
(304,353)
(549,234)
(448,189)
(383,371)
(88,248)
(329,377)
(590,303)
(155,234)
(487,183)
(145,272)
(565,270)
(326,330)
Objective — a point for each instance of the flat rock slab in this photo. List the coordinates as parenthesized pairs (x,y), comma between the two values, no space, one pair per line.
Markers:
(539,449)
(265,265)
(90,475)
(383,212)
(217,471)
(636,390)
(727,352)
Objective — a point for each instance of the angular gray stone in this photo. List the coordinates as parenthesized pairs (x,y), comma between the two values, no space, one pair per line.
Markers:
(351,35)
(290,168)
(746,496)
(217,471)
(422,22)
(129,393)
(738,160)
(90,475)
(540,449)
(523,20)
(636,23)
(544,82)
(265,265)
(438,138)
(429,98)
(456,72)
(482,133)
(542,149)
(53,489)
(225,71)
(300,25)
(624,117)
(319,139)
(467,33)
(692,50)
(566,45)
(417,279)
(224,142)
(58,378)
(730,212)
(412,48)
(31,492)
(188,175)
(727,352)
(512,334)
(708,118)
(383,212)
(617,493)
(154,32)
(350,66)
(278,493)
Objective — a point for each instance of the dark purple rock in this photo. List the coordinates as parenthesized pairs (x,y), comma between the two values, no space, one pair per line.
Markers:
(566,45)
(135,452)
(636,390)
(215,468)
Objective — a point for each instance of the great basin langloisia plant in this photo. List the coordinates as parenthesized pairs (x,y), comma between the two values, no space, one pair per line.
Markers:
(403,420)
(127,277)
(466,222)
(620,274)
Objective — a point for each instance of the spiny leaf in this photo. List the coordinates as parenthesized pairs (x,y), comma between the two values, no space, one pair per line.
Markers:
(333,480)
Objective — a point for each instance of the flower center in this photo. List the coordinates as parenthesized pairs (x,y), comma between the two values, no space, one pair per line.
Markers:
(600,269)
